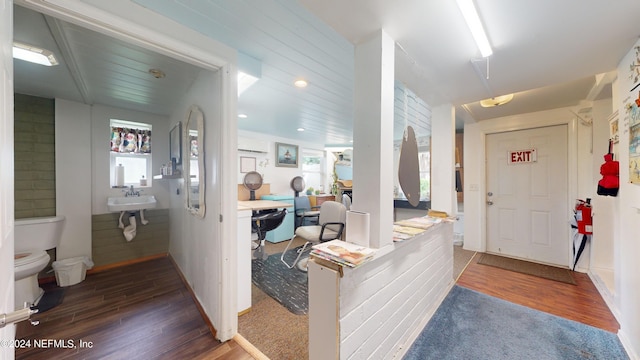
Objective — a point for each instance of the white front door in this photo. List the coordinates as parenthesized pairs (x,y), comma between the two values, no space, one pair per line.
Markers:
(527,194)
(6,174)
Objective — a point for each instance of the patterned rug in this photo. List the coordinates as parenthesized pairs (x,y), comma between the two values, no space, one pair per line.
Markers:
(286,286)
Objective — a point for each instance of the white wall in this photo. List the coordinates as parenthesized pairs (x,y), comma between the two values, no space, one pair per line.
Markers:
(73,177)
(384,304)
(195,243)
(101,115)
(627,243)
(6,176)
(278,178)
(443,144)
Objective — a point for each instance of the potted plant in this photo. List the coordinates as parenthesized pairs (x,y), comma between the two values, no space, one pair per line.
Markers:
(310,190)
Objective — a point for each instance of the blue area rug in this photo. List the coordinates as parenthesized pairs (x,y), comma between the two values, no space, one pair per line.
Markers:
(286,286)
(471,325)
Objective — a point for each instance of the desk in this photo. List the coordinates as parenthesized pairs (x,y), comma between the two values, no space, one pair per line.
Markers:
(317,200)
(245,209)
(263,204)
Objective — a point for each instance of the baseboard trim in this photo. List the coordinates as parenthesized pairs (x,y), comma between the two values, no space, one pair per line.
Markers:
(97,269)
(248,347)
(606,295)
(626,343)
(212,329)
(245,311)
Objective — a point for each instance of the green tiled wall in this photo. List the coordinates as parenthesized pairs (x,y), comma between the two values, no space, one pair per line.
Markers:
(35,161)
(109,245)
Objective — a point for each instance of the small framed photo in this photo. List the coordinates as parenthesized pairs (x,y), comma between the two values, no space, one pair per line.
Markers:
(286,155)
(247,164)
(613,130)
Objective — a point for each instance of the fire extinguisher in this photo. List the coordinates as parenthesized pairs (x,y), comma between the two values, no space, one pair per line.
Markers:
(583,217)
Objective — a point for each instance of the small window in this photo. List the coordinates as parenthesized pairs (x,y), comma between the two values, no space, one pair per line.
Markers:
(424,163)
(313,168)
(130,146)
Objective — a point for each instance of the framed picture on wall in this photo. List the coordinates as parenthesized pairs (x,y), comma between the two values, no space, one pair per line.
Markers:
(613,130)
(286,155)
(247,164)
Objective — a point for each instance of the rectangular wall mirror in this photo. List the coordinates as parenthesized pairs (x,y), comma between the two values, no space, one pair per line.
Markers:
(175,145)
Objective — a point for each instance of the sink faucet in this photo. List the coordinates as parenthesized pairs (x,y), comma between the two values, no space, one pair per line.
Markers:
(132,192)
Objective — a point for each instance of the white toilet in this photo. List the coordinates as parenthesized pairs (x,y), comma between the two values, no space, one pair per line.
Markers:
(33,236)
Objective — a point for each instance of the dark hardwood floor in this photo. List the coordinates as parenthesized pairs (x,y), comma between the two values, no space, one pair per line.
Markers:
(144,311)
(581,302)
(140,311)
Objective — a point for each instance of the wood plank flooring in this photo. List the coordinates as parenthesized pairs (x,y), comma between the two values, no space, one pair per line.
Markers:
(140,311)
(144,311)
(581,302)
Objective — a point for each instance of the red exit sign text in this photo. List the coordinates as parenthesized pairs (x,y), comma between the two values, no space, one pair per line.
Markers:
(522,156)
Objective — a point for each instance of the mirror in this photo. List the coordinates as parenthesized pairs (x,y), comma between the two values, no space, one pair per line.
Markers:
(175,144)
(193,164)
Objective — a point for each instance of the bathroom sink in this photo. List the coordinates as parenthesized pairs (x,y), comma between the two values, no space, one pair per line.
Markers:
(131,203)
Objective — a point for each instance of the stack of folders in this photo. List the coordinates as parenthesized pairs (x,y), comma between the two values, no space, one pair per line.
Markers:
(406,229)
(343,253)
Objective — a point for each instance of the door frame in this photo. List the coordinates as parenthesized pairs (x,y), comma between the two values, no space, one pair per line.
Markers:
(201,51)
(530,248)
(475,187)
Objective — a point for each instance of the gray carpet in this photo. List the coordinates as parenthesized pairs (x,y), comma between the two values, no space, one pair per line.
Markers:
(286,286)
(471,325)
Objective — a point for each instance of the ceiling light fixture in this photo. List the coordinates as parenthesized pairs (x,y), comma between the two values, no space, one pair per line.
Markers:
(157,73)
(242,116)
(496,101)
(33,54)
(301,83)
(300,129)
(473,21)
(245,81)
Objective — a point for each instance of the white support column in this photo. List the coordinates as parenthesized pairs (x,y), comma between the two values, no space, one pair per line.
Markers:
(373,135)
(443,181)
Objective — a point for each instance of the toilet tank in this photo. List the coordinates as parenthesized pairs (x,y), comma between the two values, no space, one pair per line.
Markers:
(41,233)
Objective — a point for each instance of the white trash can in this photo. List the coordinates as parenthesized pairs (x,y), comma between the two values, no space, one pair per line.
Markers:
(71,271)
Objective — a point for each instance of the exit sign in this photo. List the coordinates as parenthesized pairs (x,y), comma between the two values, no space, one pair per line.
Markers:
(522,156)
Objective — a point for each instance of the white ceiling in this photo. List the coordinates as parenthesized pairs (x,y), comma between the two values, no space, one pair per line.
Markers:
(554,47)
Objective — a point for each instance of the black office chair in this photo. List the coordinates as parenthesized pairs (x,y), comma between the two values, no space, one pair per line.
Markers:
(261,222)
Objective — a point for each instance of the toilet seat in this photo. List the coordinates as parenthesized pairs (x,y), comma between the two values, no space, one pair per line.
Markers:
(29,256)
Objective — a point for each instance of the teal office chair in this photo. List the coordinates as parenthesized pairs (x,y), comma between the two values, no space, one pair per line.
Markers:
(330,226)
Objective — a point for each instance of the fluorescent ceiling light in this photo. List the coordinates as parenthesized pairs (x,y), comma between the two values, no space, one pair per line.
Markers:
(33,54)
(496,101)
(473,21)
(245,81)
